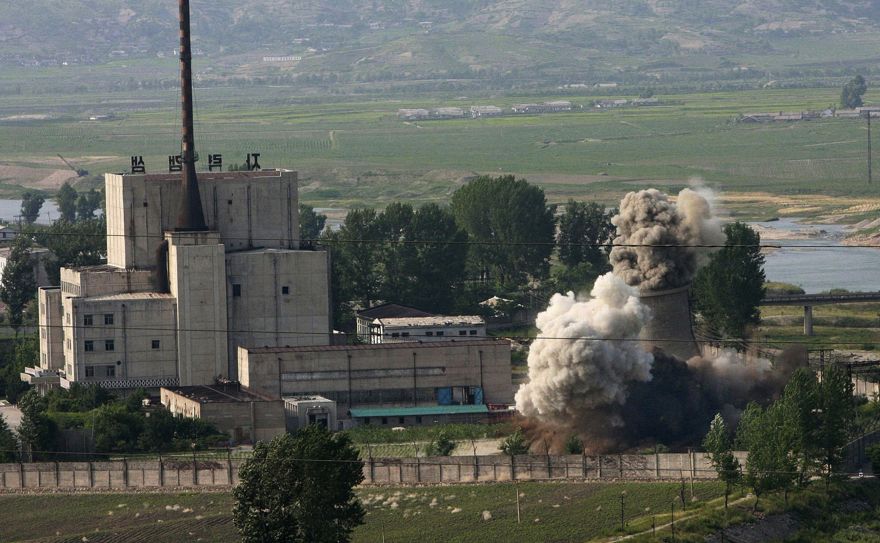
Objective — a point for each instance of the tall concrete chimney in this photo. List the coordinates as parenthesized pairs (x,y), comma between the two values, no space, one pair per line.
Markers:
(191,217)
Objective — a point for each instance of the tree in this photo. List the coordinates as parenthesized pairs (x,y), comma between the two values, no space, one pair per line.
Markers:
(31,203)
(18,286)
(769,466)
(515,444)
(873,453)
(36,431)
(82,243)
(801,398)
(853,90)
(8,443)
(574,445)
(396,266)
(299,488)
(511,226)
(836,413)
(66,202)
(87,203)
(116,429)
(311,224)
(718,444)
(584,233)
(729,289)
(354,253)
(442,446)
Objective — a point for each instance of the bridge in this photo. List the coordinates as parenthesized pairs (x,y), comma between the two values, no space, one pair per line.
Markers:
(807,301)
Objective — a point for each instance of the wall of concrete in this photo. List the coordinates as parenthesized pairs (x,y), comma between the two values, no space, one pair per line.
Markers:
(366,370)
(184,473)
(51,333)
(249,209)
(197,275)
(283,300)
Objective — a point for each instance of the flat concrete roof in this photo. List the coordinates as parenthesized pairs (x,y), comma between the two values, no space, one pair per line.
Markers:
(453,320)
(380,346)
(130,296)
(231,393)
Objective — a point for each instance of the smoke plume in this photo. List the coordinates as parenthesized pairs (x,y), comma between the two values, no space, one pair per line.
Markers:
(570,377)
(607,389)
(658,242)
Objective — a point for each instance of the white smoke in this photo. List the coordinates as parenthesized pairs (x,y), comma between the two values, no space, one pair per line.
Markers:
(659,243)
(569,378)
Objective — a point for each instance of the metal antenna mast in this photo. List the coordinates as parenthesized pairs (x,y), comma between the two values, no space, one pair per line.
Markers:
(191,218)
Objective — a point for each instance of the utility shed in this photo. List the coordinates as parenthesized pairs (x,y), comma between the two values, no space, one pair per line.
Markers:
(300,411)
(243,415)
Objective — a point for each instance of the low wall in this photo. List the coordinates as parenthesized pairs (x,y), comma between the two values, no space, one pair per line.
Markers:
(181,473)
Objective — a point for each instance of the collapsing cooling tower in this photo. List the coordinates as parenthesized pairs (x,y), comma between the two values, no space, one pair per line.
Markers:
(670,327)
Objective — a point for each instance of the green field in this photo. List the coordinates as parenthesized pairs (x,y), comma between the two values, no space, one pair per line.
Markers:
(352,153)
(847,326)
(571,512)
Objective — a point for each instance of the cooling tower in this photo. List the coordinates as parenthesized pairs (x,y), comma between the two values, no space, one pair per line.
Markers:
(670,327)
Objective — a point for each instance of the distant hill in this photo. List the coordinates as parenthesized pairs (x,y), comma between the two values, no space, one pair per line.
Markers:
(412,39)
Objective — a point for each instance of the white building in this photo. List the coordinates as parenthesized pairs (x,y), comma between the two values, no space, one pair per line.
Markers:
(486,111)
(434,328)
(171,308)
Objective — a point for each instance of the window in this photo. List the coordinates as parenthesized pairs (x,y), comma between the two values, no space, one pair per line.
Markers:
(67,318)
(89,346)
(90,371)
(156,344)
(236,290)
(110,371)
(285,290)
(440,333)
(405,334)
(384,420)
(429,333)
(88,320)
(462,332)
(399,420)
(418,419)
(108,319)
(473,332)
(68,343)
(109,345)
(395,334)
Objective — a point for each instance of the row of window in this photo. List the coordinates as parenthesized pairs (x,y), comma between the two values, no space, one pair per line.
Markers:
(110,345)
(439,333)
(89,320)
(103,371)
(236,290)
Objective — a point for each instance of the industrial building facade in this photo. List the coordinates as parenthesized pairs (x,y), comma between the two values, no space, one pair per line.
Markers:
(171,308)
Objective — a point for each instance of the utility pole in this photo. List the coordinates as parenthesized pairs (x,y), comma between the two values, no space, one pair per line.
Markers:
(869,147)
(516,489)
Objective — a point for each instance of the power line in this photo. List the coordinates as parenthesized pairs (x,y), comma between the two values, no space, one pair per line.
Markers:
(609,245)
(433,339)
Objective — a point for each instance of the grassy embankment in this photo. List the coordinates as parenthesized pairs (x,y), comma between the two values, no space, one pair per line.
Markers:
(563,512)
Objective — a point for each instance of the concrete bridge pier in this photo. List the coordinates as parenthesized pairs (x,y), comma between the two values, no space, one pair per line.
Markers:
(808,320)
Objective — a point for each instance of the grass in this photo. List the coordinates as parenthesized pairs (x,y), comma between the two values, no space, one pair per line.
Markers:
(382,435)
(356,152)
(559,512)
(845,326)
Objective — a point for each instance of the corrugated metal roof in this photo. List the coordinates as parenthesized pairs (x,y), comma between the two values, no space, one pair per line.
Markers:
(453,320)
(392,310)
(416,411)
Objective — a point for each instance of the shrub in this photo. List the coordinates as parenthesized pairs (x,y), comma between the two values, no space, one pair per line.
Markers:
(515,444)
(873,453)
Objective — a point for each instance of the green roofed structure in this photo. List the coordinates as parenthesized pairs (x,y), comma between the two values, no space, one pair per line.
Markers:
(420,414)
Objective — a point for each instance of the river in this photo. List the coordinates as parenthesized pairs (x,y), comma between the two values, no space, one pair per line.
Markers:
(822,262)
(11,209)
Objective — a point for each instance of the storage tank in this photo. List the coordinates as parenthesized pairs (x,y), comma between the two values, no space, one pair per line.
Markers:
(671,324)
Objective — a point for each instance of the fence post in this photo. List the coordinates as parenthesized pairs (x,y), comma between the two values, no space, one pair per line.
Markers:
(584,463)
(229,466)
(372,469)
(656,463)
(620,465)
(125,472)
(161,472)
(476,469)
(599,464)
(91,475)
(57,475)
(512,468)
(418,470)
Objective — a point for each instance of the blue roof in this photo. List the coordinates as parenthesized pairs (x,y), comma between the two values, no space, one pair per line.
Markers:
(421,410)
